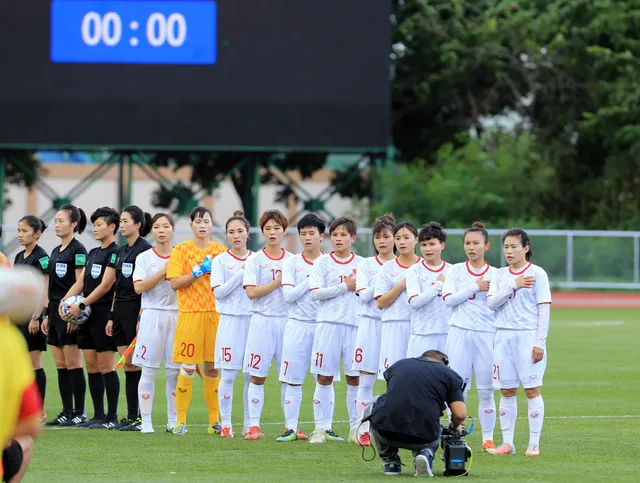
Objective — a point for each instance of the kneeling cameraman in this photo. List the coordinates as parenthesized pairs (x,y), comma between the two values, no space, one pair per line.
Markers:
(408,415)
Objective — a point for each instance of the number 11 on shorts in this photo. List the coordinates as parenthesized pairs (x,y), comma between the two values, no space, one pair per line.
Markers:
(319,358)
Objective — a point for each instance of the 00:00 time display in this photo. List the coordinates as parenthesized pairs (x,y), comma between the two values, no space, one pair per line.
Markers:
(107,29)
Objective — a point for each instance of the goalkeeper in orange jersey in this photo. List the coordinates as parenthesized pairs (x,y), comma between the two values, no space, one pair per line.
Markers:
(189,272)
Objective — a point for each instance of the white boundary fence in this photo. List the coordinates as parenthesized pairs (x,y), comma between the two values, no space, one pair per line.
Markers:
(574,259)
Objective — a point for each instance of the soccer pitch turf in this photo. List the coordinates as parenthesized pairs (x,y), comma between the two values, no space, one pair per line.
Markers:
(591,427)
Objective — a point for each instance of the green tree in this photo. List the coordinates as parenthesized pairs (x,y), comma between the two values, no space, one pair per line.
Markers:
(15,161)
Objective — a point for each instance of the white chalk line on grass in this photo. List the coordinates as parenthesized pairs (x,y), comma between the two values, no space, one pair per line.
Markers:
(604,416)
(596,323)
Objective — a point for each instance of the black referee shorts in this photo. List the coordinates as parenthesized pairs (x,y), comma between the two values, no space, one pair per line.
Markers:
(58,335)
(125,320)
(92,335)
(12,457)
(36,342)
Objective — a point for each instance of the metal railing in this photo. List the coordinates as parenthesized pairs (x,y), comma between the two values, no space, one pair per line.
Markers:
(577,259)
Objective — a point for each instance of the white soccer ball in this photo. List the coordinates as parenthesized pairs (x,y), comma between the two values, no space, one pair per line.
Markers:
(22,293)
(84,314)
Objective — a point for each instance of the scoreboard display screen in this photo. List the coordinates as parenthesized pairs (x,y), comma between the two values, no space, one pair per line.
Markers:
(195,74)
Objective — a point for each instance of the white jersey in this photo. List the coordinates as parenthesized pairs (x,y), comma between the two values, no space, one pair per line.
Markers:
(226,282)
(391,274)
(520,311)
(327,285)
(424,291)
(468,306)
(261,269)
(162,296)
(366,285)
(295,285)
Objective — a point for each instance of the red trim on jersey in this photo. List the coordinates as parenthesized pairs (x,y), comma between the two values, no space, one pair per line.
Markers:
(412,297)
(160,256)
(376,298)
(31,403)
(445,296)
(281,257)
(378,260)
(287,285)
(312,289)
(240,259)
(526,267)
(245,286)
(487,266)
(136,281)
(402,266)
(444,264)
(353,255)
(213,288)
(310,262)
(544,303)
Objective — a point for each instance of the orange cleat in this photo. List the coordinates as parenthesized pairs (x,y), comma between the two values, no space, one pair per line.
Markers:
(502,449)
(533,450)
(301,435)
(364,439)
(487,445)
(254,433)
(226,432)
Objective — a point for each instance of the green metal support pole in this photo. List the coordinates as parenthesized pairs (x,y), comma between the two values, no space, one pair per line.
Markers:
(251,186)
(121,201)
(129,181)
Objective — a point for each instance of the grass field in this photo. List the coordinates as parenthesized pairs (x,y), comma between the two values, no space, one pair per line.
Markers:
(591,428)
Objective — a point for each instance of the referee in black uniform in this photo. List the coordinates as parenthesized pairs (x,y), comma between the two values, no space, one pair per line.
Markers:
(99,349)
(30,228)
(135,224)
(65,266)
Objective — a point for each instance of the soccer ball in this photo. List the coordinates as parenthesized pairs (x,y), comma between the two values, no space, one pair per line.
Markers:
(84,314)
(22,293)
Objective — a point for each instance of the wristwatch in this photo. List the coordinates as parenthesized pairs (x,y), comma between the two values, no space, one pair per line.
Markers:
(35,317)
(82,306)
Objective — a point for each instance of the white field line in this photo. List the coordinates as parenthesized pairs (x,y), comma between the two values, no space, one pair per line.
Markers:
(604,416)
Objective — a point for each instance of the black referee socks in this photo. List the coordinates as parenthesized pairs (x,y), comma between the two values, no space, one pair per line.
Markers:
(41,382)
(112,386)
(132,379)
(79,388)
(66,390)
(96,388)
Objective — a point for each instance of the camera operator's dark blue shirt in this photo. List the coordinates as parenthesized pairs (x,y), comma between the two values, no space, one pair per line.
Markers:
(417,389)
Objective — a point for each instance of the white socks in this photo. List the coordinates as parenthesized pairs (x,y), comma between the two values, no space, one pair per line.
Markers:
(323,402)
(292,402)
(225,395)
(365,396)
(508,415)
(256,403)
(486,413)
(536,417)
(245,399)
(172,382)
(146,391)
(352,406)
(283,391)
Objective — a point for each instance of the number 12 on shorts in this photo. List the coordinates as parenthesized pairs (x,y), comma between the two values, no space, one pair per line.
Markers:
(255,361)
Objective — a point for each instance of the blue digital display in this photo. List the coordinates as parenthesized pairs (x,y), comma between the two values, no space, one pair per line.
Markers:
(133,32)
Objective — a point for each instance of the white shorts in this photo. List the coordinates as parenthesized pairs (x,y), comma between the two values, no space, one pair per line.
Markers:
(394,342)
(155,339)
(367,354)
(264,344)
(296,351)
(419,344)
(513,362)
(333,342)
(231,341)
(470,350)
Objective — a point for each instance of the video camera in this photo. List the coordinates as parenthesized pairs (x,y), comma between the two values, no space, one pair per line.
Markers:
(455,452)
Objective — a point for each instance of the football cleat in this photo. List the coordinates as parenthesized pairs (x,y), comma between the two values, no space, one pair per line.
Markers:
(104,425)
(136,425)
(124,422)
(487,445)
(532,450)
(301,435)
(503,449)
(215,429)
(62,417)
(226,432)
(289,435)
(180,428)
(74,420)
(146,427)
(91,422)
(353,435)
(254,433)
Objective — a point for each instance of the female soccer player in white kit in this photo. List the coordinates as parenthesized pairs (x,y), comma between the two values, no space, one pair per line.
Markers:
(157,322)
(333,286)
(472,331)
(521,297)
(301,326)
(367,354)
(262,281)
(227,271)
(430,316)
(391,297)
